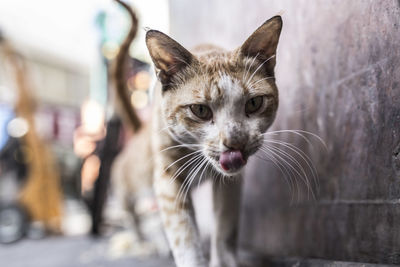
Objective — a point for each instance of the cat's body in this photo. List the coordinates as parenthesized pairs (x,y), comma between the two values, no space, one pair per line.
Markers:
(210,112)
(132,188)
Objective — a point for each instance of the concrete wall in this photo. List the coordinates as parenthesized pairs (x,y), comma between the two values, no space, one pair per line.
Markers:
(338,73)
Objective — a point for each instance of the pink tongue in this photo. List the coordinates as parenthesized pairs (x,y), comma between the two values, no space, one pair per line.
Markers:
(231,160)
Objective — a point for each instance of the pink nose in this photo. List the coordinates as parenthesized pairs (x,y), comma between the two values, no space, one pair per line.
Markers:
(231,160)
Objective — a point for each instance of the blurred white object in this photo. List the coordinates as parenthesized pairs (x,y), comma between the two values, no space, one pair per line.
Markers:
(92,117)
(76,220)
(17,127)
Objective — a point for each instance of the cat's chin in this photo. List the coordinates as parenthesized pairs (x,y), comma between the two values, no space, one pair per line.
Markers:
(231,173)
(227,173)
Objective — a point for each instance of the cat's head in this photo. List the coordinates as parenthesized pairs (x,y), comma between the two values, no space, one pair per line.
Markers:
(223,101)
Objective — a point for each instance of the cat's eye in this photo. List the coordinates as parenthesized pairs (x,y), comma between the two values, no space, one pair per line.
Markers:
(254,104)
(201,111)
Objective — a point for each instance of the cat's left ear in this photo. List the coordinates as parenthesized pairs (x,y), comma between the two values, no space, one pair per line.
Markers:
(168,56)
(263,43)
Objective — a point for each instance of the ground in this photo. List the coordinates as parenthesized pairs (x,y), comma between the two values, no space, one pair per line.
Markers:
(68,252)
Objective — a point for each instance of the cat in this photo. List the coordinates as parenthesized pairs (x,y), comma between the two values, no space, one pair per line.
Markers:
(131,186)
(210,111)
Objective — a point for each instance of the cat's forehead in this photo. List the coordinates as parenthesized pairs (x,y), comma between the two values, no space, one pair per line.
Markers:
(229,85)
(236,84)
(221,76)
(221,63)
(223,86)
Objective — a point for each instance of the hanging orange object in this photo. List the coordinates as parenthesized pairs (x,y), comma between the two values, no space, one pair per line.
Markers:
(41,195)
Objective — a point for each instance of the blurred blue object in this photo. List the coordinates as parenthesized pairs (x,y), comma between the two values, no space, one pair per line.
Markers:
(6,114)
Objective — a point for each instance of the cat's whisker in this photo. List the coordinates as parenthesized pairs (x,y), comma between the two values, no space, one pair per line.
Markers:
(247,71)
(202,173)
(190,146)
(181,158)
(286,157)
(194,175)
(278,165)
(184,167)
(306,173)
(288,167)
(301,168)
(220,176)
(299,152)
(188,181)
(305,158)
(295,132)
(260,80)
(180,146)
(290,174)
(165,128)
(190,176)
(300,133)
(254,73)
(245,68)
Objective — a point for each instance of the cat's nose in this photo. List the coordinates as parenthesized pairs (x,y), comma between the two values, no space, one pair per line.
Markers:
(233,144)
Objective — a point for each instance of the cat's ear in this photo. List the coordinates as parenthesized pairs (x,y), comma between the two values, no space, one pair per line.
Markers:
(263,42)
(168,56)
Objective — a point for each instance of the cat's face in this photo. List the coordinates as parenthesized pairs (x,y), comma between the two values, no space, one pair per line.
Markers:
(223,101)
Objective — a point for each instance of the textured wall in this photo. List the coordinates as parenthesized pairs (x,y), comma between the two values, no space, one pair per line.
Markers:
(339,77)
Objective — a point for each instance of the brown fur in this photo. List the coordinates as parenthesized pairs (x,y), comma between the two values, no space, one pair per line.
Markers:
(119,72)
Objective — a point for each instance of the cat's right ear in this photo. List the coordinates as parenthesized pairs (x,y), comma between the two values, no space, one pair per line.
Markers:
(168,56)
(262,44)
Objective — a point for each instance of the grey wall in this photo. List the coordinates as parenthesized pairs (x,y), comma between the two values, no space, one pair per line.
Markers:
(338,73)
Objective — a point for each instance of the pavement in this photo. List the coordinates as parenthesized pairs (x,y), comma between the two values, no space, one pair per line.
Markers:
(84,251)
(80,251)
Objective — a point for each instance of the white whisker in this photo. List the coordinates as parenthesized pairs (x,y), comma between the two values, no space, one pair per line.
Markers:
(194,175)
(181,158)
(187,180)
(302,155)
(303,175)
(183,190)
(301,134)
(260,80)
(180,146)
(247,71)
(278,165)
(184,166)
(254,73)
(289,171)
(202,173)
(301,169)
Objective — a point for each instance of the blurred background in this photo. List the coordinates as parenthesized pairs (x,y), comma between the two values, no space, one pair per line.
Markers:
(338,73)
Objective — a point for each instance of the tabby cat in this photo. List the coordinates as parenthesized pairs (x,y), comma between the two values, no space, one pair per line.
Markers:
(209,115)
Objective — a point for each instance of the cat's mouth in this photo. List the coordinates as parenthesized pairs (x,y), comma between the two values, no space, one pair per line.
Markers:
(229,162)
(232,161)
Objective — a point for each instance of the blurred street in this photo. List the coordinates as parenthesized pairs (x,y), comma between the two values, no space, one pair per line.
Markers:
(82,133)
(68,252)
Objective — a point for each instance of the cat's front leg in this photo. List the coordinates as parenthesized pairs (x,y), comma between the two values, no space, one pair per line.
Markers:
(226,199)
(179,222)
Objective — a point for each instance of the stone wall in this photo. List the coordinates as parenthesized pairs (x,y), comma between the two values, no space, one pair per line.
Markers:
(338,73)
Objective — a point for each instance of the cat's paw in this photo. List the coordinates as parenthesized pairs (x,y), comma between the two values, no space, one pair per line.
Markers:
(126,243)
